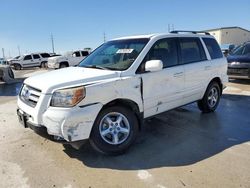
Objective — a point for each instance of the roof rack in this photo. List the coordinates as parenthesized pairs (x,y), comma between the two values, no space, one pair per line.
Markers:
(194,32)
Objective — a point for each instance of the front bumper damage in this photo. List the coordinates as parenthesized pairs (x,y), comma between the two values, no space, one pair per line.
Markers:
(64,125)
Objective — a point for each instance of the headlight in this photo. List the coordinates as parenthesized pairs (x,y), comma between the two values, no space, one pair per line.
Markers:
(235,63)
(68,97)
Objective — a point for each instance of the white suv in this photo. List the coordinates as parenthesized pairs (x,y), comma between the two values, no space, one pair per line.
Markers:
(121,83)
(31,60)
(71,59)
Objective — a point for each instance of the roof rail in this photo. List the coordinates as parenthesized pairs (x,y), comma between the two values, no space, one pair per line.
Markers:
(194,32)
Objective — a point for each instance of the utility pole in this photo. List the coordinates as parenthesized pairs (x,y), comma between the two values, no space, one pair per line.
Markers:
(104,37)
(169,28)
(172,27)
(18,48)
(52,43)
(3,53)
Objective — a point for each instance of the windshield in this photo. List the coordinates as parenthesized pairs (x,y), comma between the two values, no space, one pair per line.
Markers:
(115,55)
(238,50)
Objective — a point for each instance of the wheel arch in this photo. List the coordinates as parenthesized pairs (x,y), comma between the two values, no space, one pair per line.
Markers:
(14,64)
(64,62)
(218,80)
(127,103)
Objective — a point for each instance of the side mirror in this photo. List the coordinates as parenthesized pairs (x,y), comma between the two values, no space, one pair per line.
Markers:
(153,65)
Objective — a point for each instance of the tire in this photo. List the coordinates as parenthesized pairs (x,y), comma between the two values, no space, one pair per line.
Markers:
(63,65)
(116,137)
(11,74)
(211,98)
(17,66)
(44,65)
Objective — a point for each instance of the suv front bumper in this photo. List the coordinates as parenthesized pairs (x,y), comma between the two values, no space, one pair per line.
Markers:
(65,124)
(52,65)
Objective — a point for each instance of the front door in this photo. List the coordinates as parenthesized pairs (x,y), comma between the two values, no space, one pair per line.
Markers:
(162,90)
(27,61)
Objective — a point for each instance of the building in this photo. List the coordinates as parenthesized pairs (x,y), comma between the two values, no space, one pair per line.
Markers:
(230,35)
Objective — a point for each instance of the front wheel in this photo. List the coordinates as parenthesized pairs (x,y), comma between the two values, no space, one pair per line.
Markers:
(17,67)
(211,99)
(114,130)
(63,65)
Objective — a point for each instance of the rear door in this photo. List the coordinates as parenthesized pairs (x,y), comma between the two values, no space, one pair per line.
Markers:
(36,60)
(196,67)
(162,90)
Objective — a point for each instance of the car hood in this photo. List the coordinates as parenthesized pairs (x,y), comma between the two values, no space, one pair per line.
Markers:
(56,58)
(238,58)
(69,77)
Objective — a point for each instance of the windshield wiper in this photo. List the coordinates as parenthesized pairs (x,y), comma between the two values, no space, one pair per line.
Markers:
(96,67)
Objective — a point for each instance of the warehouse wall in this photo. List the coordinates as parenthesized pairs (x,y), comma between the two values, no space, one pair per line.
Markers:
(217,35)
(235,36)
(231,36)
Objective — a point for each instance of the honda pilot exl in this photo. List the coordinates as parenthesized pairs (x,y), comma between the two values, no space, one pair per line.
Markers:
(124,81)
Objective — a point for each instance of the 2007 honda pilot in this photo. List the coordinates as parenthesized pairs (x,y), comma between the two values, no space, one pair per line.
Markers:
(121,83)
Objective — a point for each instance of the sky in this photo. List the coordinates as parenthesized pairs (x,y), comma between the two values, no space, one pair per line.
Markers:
(76,24)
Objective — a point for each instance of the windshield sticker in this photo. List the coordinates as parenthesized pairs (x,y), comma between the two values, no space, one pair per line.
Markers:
(124,51)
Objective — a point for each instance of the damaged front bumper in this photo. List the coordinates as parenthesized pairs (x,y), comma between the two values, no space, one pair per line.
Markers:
(64,125)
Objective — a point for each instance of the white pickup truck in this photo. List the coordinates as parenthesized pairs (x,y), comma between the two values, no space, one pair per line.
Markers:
(68,60)
(126,80)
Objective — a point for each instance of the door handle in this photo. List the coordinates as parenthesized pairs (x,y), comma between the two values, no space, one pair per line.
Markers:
(207,67)
(178,74)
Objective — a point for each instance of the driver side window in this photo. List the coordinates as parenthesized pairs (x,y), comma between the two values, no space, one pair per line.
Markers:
(246,50)
(164,50)
(76,54)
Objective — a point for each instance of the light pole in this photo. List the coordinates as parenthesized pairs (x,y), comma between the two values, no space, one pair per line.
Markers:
(104,37)
(18,48)
(3,53)
(52,43)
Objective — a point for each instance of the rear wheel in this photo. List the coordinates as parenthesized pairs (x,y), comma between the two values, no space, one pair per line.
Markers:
(211,99)
(114,130)
(44,64)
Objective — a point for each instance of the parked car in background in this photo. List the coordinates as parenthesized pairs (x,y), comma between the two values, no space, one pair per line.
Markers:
(30,60)
(106,98)
(69,59)
(239,62)
(227,48)
(11,59)
(6,73)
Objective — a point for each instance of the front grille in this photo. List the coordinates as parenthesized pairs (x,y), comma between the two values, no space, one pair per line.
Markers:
(238,71)
(30,95)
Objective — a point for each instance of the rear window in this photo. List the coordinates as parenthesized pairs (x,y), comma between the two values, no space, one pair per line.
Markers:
(191,50)
(45,55)
(213,48)
(36,56)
